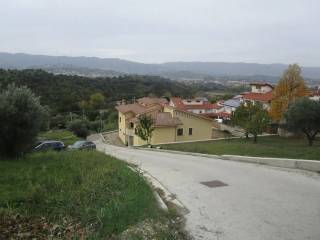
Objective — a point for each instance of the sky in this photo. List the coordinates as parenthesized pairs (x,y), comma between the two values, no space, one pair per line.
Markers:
(156,31)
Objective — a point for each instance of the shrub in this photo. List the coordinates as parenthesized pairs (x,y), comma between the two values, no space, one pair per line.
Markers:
(96,126)
(304,115)
(58,122)
(80,128)
(21,117)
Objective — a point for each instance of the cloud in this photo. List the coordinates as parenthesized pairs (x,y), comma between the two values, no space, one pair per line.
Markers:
(167,30)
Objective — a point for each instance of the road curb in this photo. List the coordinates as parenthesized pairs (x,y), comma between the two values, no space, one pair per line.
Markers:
(302,164)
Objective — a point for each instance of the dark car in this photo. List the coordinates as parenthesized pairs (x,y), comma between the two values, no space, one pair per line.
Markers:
(48,145)
(81,145)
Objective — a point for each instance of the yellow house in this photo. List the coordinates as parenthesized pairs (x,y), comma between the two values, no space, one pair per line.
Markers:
(170,124)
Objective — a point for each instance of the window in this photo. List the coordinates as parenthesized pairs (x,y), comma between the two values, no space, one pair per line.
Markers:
(180,131)
(131,125)
(119,119)
(190,131)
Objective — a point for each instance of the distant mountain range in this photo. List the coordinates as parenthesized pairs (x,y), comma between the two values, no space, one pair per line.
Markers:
(175,70)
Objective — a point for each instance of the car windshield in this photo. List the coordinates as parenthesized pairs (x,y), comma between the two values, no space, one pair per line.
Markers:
(78,143)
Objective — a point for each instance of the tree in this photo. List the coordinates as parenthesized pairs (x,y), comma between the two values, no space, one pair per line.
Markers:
(258,120)
(80,128)
(97,101)
(21,117)
(304,115)
(240,118)
(253,118)
(145,128)
(290,87)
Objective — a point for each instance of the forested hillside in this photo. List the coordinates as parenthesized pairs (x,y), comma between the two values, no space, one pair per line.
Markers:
(63,93)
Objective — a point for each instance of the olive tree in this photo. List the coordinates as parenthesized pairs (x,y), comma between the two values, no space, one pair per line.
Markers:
(304,115)
(21,118)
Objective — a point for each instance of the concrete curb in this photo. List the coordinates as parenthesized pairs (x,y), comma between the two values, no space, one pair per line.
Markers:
(302,164)
(309,165)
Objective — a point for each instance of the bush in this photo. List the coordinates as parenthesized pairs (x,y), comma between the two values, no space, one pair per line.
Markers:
(58,122)
(21,117)
(80,128)
(96,126)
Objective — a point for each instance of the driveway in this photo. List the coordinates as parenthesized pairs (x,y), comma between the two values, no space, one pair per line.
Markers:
(258,202)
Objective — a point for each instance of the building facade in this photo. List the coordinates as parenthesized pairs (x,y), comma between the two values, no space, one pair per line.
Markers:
(170,124)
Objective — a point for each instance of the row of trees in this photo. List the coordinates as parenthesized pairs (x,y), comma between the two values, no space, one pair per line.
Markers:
(22,117)
(290,109)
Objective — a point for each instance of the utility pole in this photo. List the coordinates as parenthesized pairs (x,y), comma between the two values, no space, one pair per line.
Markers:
(71,120)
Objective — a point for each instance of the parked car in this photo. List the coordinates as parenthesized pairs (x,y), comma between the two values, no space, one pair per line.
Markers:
(48,145)
(82,145)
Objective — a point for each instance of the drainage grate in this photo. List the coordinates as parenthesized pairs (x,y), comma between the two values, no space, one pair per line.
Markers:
(214,184)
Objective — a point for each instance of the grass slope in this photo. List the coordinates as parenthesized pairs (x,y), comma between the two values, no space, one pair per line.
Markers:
(266,147)
(89,191)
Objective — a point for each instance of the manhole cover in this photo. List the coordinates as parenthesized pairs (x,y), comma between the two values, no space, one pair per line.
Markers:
(214,184)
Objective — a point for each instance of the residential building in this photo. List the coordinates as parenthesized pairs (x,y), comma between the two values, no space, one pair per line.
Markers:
(170,123)
(260,92)
(197,105)
(315,95)
(231,105)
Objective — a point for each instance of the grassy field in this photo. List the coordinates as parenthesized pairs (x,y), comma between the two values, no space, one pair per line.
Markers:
(74,195)
(61,135)
(266,147)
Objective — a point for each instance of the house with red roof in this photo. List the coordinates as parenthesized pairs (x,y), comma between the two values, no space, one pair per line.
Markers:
(260,92)
(315,95)
(170,124)
(199,106)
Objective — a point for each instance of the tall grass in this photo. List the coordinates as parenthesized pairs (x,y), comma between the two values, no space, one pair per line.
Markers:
(98,191)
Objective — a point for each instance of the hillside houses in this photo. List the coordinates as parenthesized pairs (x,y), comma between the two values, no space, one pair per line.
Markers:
(170,124)
(178,119)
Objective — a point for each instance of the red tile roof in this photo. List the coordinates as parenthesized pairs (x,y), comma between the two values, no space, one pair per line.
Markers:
(161,119)
(147,101)
(178,103)
(135,108)
(215,115)
(262,97)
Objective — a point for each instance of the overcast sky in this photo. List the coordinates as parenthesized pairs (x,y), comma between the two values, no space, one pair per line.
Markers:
(153,31)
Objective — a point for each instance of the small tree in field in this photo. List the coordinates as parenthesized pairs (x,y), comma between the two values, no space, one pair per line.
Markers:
(258,120)
(21,118)
(240,118)
(145,128)
(304,115)
(252,118)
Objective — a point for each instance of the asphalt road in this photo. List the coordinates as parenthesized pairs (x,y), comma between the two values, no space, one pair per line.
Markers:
(259,202)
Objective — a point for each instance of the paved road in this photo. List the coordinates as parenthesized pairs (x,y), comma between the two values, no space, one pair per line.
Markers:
(259,202)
